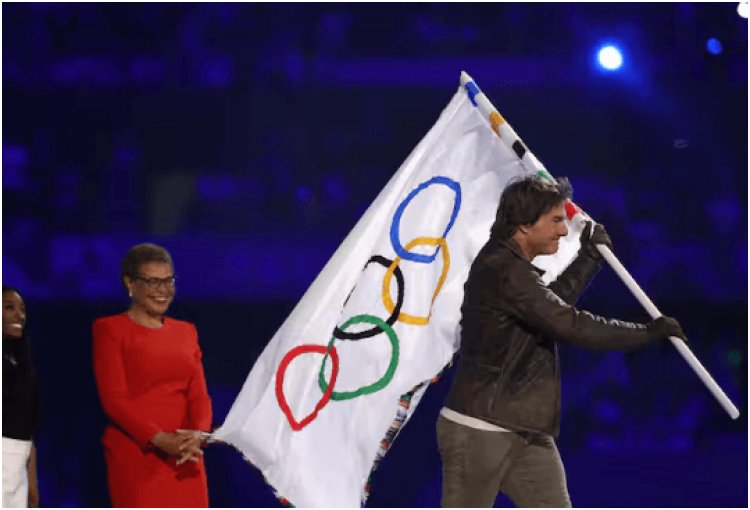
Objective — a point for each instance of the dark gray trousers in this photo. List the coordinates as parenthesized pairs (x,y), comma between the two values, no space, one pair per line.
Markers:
(478,464)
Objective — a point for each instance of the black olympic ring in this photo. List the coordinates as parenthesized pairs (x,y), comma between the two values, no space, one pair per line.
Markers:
(359,335)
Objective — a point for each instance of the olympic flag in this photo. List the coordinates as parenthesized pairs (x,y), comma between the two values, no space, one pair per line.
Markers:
(344,372)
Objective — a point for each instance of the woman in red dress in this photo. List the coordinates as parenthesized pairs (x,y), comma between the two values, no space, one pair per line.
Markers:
(151,385)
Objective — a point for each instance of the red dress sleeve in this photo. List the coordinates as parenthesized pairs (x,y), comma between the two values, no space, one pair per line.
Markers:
(199,403)
(112,386)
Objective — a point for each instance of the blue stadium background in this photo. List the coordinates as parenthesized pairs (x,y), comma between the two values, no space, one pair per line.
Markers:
(249,139)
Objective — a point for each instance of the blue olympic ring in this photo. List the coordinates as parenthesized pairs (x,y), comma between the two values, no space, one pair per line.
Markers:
(396,243)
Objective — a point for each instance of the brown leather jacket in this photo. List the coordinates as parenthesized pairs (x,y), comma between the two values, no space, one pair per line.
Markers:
(509,372)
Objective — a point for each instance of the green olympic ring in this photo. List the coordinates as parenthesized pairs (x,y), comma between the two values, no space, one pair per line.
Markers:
(380,383)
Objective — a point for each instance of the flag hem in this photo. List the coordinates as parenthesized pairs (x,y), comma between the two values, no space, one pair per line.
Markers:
(402,416)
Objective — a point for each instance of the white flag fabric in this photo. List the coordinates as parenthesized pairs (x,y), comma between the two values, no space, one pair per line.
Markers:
(345,370)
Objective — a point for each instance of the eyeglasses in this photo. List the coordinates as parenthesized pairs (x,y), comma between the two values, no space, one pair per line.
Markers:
(155,283)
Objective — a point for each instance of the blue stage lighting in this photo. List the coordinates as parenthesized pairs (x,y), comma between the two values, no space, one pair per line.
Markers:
(714,47)
(609,57)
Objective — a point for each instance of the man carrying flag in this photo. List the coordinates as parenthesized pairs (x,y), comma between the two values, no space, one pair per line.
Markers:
(343,374)
(496,430)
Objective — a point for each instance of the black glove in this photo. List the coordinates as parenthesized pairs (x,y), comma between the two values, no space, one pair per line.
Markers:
(663,327)
(590,239)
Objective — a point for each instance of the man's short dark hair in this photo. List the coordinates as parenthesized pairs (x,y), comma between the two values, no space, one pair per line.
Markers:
(142,254)
(523,201)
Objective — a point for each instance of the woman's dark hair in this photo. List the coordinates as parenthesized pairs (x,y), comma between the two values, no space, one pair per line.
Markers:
(525,200)
(142,254)
(6,288)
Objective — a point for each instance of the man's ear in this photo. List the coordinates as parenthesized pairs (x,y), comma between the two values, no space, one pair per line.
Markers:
(524,229)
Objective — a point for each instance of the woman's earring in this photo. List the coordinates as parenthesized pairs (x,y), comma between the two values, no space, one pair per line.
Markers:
(130,293)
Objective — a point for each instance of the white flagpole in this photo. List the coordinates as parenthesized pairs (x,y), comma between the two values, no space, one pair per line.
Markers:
(530,162)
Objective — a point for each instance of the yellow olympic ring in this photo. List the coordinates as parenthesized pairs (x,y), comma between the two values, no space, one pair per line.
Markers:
(388,302)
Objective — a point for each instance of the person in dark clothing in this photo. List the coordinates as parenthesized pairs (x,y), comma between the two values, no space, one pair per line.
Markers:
(20,405)
(497,429)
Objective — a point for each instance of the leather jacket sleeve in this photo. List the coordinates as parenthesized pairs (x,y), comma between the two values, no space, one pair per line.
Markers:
(527,298)
(571,283)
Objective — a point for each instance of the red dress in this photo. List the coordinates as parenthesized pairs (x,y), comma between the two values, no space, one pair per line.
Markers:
(150,380)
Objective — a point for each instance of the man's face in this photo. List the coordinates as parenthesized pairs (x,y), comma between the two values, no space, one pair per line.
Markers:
(543,237)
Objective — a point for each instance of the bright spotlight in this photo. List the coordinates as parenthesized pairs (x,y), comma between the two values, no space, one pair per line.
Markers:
(743,9)
(610,58)
(714,47)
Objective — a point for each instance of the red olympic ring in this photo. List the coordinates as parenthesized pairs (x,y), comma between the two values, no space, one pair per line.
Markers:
(283,404)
